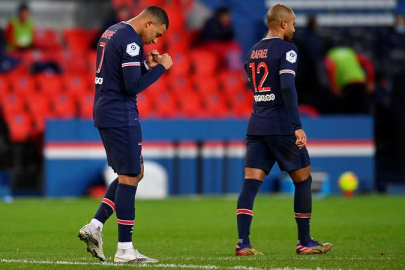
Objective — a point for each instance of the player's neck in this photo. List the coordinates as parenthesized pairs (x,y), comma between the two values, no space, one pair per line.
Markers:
(272,33)
(133,22)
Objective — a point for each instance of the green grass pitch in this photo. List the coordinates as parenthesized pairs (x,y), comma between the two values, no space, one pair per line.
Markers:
(368,232)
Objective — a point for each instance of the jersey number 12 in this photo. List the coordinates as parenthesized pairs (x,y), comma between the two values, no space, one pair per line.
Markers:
(261,65)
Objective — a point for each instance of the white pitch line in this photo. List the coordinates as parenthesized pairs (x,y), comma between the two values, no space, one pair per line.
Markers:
(159,265)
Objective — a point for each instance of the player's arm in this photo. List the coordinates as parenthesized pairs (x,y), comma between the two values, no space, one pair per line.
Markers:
(144,68)
(288,68)
(290,99)
(135,80)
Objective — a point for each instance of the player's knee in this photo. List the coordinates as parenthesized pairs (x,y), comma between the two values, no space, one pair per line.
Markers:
(300,175)
(254,173)
(128,180)
(140,176)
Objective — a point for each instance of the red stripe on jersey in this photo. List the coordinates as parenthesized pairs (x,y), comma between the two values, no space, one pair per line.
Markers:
(301,215)
(125,222)
(287,71)
(244,211)
(109,202)
(131,64)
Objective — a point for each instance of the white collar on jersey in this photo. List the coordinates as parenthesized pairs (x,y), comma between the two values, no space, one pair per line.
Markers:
(127,23)
(269,38)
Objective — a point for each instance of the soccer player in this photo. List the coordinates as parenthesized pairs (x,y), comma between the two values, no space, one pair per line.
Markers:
(120,76)
(275,132)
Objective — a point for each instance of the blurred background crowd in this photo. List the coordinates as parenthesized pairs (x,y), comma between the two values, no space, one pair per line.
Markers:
(351,61)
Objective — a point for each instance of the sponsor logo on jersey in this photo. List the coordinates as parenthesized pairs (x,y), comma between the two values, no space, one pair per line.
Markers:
(108,34)
(99,80)
(133,49)
(291,56)
(265,98)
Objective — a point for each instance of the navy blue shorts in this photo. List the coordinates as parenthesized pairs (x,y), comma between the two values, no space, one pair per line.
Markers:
(263,151)
(123,146)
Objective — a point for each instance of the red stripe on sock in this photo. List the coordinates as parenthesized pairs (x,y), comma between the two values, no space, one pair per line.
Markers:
(109,202)
(244,211)
(301,215)
(125,222)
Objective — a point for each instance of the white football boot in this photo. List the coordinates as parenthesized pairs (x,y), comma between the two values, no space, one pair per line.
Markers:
(93,239)
(131,256)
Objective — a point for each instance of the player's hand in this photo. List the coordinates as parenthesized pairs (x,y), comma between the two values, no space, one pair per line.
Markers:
(301,138)
(165,60)
(152,58)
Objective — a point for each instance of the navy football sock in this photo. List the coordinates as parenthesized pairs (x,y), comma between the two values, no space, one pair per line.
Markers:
(303,209)
(245,206)
(125,209)
(107,206)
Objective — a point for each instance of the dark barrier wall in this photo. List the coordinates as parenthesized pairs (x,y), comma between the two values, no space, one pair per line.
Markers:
(204,156)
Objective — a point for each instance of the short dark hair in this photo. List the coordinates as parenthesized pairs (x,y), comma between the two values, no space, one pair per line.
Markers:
(23,6)
(160,14)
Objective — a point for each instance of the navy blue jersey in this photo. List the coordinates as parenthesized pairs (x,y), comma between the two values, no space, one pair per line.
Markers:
(120,76)
(267,61)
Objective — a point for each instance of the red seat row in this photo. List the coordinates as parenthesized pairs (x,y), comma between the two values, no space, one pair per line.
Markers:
(26,119)
(47,85)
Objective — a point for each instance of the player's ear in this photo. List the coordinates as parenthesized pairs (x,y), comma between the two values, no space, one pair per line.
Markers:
(283,24)
(149,23)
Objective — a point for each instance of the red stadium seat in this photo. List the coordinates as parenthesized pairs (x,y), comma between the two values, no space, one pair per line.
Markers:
(49,84)
(180,85)
(73,62)
(39,106)
(165,105)
(204,62)
(86,106)
(175,12)
(23,85)
(160,86)
(91,83)
(20,126)
(30,56)
(182,64)
(119,3)
(145,105)
(189,105)
(241,104)
(38,125)
(39,110)
(206,85)
(92,58)
(178,41)
(214,105)
(12,104)
(46,39)
(77,40)
(76,85)
(4,87)
(232,81)
(63,106)
(229,53)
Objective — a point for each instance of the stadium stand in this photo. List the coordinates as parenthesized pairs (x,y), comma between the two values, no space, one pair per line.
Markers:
(200,85)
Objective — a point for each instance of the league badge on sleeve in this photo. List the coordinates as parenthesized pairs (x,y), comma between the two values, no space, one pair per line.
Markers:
(133,49)
(291,56)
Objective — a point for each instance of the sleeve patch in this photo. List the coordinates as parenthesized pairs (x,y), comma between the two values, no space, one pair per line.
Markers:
(133,49)
(291,56)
